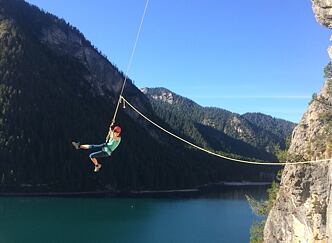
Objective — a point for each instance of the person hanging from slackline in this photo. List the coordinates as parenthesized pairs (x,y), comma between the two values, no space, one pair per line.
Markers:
(113,140)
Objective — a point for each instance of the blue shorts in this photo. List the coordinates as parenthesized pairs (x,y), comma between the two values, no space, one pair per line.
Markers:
(98,154)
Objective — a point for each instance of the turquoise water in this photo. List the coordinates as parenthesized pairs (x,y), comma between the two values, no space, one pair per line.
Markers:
(218,217)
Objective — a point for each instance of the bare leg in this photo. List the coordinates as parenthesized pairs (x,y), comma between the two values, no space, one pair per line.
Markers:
(92,155)
(94,161)
(87,146)
(97,165)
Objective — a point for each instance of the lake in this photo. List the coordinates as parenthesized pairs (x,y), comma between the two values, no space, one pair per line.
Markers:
(222,216)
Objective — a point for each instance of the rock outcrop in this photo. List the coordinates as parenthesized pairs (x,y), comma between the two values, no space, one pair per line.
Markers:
(323,12)
(102,75)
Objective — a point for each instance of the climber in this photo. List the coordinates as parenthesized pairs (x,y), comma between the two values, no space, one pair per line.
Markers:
(113,140)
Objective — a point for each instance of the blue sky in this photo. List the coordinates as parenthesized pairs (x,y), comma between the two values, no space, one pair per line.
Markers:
(243,56)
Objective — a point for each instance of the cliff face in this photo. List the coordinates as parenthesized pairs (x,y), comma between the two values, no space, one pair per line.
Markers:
(323,12)
(103,76)
(303,210)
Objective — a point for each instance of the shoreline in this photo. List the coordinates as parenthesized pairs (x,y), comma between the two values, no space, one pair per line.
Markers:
(201,189)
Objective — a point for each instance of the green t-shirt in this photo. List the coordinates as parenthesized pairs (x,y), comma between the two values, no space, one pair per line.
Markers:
(111,145)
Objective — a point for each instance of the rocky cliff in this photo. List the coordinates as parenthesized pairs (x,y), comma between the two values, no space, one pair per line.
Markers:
(102,75)
(303,210)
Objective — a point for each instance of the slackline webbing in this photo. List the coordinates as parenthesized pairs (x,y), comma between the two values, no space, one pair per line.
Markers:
(213,153)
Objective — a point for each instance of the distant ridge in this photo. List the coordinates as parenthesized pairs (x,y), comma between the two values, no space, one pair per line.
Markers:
(249,134)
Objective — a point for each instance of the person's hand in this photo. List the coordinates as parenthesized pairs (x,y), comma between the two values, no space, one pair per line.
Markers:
(113,121)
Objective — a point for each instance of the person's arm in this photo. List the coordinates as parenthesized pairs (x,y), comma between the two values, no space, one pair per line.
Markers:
(110,131)
(112,124)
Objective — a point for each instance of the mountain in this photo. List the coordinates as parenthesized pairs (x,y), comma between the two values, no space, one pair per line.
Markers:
(249,135)
(303,207)
(56,87)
